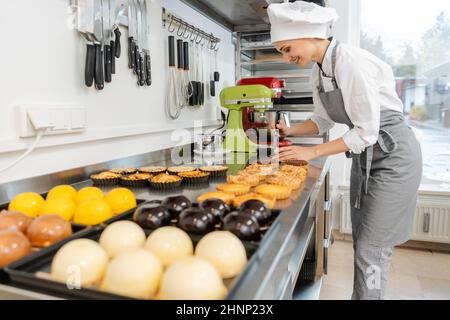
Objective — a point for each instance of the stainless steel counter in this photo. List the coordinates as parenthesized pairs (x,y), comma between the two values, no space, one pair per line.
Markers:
(273,270)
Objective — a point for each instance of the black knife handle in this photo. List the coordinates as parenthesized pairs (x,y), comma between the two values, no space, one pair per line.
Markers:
(142,70)
(118,47)
(171,51)
(192,93)
(186,55)
(108,63)
(212,88)
(131,57)
(99,79)
(202,93)
(148,70)
(136,60)
(216,76)
(89,69)
(113,57)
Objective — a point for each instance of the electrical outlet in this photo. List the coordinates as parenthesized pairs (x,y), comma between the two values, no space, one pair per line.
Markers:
(59,119)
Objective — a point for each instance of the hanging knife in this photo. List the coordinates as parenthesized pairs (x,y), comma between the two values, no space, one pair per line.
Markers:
(98,33)
(85,25)
(117,22)
(132,35)
(138,61)
(145,45)
(106,40)
(112,44)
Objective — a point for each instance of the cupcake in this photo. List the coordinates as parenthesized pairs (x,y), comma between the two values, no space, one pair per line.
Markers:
(164,181)
(215,171)
(153,169)
(180,169)
(122,171)
(136,180)
(194,176)
(106,178)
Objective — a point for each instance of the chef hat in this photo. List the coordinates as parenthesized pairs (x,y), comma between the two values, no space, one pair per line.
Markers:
(299,20)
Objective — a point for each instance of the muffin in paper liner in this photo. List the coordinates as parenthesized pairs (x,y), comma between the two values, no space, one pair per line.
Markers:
(153,169)
(105,178)
(180,169)
(164,181)
(193,177)
(123,171)
(215,171)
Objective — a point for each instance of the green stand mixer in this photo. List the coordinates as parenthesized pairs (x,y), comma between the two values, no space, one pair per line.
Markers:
(236,99)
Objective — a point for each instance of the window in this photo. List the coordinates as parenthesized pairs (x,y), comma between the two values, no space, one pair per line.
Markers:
(414,38)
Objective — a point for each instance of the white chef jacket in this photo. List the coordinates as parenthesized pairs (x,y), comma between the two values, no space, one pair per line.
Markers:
(367,86)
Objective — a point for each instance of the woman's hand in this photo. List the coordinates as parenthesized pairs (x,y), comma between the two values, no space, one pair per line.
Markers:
(296,153)
(284,130)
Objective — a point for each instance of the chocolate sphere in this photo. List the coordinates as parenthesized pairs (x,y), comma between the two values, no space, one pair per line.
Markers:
(176,205)
(256,208)
(244,225)
(216,207)
(48,229)
(14,220)
(196,220)
(13,246)
(152,215)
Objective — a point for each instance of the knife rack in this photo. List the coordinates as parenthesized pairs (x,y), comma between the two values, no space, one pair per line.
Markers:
(185,30)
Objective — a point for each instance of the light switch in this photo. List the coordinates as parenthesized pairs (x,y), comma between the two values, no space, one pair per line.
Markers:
(78,118)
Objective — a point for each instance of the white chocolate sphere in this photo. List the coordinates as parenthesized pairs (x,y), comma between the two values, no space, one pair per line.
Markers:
(192,278)
(81,261)
(170,244)
(122,236)
(135,273)
(225,251)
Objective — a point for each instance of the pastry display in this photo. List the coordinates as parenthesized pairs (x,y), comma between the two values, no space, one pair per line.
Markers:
(122,171)
(136,179)
(176,205)
(298,163)
(268,201)
(194,176)
(92,212)
(225,251)
(81,260)
(88,193)
(64,207)
(135,273)
(62,191)
(216,207)
(14,220)
(14,245)
(106,178)
(192,278)
(243,225)
(244,178)
(164,181)
(224,196)
(121,236)
(47,230)
(121,200)
(275,191)
(195,220)
(300,172)
(152,215)
(215,171)
(169,244)
(234,188)
(179,169)
(286,180)
(29,203)
(260,170)
(153,169)
(256,208)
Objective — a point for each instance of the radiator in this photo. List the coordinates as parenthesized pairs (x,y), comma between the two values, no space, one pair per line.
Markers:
(431,222)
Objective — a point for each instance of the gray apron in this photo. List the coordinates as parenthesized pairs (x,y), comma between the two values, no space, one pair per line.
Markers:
(384,178)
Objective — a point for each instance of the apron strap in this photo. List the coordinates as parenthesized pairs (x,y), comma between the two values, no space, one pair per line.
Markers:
(333,72)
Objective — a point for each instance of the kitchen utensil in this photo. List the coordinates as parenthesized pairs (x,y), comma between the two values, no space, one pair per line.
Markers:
(120,19)
(106,40)
(216,69)
(140,59)
(85,25)
(112,44)
(145,45)
(98,33)
(172,98)
(212,81)
(132,35)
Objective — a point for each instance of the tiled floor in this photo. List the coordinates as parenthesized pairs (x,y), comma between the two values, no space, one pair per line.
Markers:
(415,274)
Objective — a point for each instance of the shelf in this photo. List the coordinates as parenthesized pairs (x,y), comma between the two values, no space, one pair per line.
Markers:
(255,48)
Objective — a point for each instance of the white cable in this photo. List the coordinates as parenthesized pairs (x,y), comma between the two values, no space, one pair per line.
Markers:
(39,135)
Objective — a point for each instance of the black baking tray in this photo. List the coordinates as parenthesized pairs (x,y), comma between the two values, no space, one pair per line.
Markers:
(23,272)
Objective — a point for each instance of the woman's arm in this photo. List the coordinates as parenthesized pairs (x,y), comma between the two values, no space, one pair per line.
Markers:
(310,153)
(303,129)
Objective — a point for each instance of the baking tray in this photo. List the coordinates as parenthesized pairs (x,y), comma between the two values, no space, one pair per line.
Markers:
(22,273)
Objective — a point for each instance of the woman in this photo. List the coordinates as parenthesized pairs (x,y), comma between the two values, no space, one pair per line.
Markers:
(353,87)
